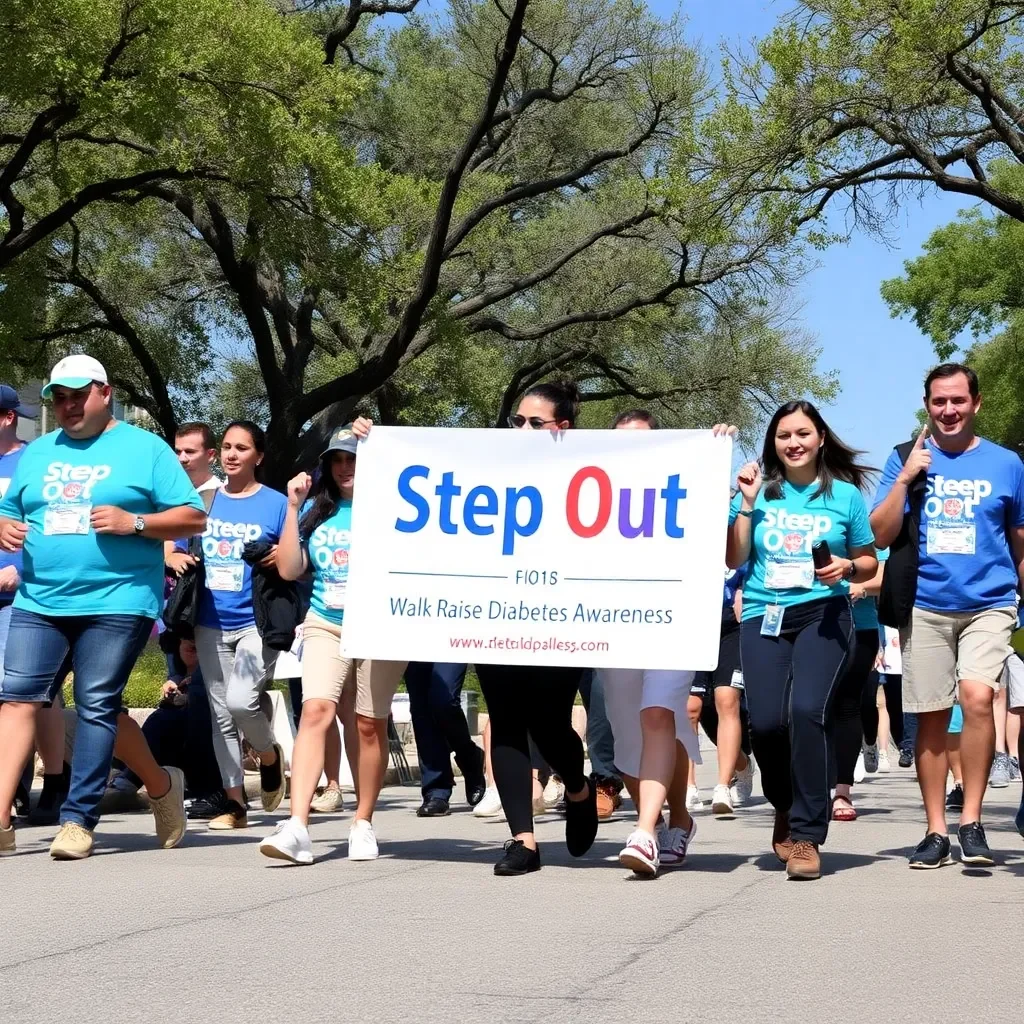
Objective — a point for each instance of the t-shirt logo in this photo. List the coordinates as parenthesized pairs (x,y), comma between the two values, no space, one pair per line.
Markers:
(340,557)
(69,484)
(223,539)
(953,508)
(792,542)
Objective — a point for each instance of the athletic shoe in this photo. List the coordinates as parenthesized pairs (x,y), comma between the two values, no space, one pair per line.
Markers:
(169,811)
(362,841)
(721,802)
(7,846)
(955,798)
(490,806)
(673,844)
(931,852)
(860,770)
(608,801)
(554,793)
(804,862)
(693,800)
(782,841)
(205,808)
(906,758)
(433,807)
(581,821)
(870,755)
(1014,770)
(476,781)
(289,842)
(973,845)
(999,776)
(329,801)
(743,784)
(884,765)
(272,781)
(233,816)
(72,842)
(640,853)
(517,859)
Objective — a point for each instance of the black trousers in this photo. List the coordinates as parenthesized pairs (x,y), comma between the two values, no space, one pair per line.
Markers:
(791,685)
(523,702)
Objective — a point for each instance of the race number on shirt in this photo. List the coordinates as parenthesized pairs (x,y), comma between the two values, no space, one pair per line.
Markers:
(951,540)
(789,575)
(61,520)
(225,577)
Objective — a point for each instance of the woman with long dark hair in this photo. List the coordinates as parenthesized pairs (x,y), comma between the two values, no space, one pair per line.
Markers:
(316,537)
(797,626)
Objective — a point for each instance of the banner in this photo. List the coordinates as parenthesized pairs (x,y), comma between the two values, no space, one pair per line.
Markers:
(597,548)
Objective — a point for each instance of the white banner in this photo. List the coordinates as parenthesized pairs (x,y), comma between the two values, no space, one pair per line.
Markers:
(598,548)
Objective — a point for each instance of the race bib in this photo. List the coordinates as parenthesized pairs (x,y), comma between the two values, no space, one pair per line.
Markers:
(791,575)
(66,519)
(951,540)
(334,595)
(225,577)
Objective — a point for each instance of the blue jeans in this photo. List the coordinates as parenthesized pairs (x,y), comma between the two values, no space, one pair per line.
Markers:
(5,625)
(103,651)
(600,741)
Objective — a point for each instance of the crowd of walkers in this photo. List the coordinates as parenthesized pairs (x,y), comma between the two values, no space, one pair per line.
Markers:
(844,624)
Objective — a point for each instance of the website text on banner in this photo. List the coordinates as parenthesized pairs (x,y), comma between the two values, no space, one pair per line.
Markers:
(594,548)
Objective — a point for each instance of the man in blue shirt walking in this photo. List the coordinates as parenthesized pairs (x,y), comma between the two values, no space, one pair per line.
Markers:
(970,555)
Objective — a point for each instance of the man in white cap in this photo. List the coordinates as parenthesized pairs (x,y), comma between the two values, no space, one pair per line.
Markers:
(91,505)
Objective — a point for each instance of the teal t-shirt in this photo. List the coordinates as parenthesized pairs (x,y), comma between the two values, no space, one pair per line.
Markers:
(69,569)
(865,611)
(780,569)
(328,547)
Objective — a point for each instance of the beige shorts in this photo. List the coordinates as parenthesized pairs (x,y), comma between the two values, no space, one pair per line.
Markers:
(1013,680)
(326,674)
(942,648)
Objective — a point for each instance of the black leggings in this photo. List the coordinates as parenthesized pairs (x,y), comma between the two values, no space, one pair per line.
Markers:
(893,686)
(524,702)
(791,684)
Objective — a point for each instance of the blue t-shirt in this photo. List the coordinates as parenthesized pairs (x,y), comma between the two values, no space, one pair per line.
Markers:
(865,611)
(974,498)
(780,569)
(8,463)
(69,569)
(226,603)
(328,548)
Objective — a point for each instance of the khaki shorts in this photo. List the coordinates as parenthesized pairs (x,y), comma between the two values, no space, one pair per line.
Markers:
(942,648)
(326,674)
(1013,680)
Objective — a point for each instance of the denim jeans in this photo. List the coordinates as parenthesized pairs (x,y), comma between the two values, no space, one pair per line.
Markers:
(600,741)
(5,625)
(103,652)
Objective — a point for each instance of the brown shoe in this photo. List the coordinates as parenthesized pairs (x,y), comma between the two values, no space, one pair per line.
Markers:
(233,816)
(782,843)
(608,802)
(804,861)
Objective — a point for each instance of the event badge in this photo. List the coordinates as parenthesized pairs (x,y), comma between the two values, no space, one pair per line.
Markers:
(63,520)
(225,577)
(334,595)
(794,574)
(951,540)
(737,679)
(771,624)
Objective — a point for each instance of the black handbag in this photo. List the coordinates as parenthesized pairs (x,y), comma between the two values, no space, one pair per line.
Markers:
(899,582)
(181,610)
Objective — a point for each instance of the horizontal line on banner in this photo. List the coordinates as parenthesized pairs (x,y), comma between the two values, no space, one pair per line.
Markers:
(456,575)
(612,579)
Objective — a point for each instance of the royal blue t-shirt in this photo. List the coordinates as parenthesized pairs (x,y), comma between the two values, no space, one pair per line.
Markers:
(865,611)
(974,498)
(328,548)
(8,463)
(226,603)
(780,570)
(69,569)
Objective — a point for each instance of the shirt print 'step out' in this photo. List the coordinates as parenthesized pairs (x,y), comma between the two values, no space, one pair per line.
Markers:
(973,499)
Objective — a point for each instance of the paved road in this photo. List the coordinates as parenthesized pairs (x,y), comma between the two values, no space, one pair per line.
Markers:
(211,931)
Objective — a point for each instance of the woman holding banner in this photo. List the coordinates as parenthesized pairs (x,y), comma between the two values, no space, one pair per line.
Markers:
(802,530)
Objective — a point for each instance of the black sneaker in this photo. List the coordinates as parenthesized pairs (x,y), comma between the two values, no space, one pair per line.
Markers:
(955,799)
(272,781)
(581,821)
(931,852)
(206,807)
(433,807)
(518,860)
(47,808)
(476,781)
(906,759)
(973,845)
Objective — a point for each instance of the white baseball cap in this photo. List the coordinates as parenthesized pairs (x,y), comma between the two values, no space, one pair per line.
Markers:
(75,372)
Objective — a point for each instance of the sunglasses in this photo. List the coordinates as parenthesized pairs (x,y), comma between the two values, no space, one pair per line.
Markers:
(536,423)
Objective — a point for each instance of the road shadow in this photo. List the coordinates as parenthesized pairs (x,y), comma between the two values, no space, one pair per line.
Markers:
(831,863)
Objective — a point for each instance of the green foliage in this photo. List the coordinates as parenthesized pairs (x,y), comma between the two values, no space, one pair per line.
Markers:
(144,685)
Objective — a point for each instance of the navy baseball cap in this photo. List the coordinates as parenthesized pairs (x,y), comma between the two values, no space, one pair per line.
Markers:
(342,440)
(9,401)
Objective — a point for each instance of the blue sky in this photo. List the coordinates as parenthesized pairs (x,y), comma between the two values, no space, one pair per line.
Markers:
(881,362)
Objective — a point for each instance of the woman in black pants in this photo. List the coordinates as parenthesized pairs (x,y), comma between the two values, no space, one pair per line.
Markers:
(527,701)
(797,626)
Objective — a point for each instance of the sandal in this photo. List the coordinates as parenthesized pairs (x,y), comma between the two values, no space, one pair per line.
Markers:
(847,813)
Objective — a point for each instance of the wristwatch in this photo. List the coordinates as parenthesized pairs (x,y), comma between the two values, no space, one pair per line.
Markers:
(851,572)
(140,524)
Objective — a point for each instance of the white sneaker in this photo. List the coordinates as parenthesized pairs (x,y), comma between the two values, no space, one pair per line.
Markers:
(859,769)
(362,842)
(490,805)
(743,785)
(290,842)
(640,853)
(673,844)
(693,800)
(721,801)
(884,766)
(554,793)
(870,755)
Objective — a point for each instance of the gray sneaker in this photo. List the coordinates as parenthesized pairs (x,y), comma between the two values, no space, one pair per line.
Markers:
(999,777)
(1014,770)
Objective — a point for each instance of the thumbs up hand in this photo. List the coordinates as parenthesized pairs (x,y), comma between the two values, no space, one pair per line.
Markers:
(919,460)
